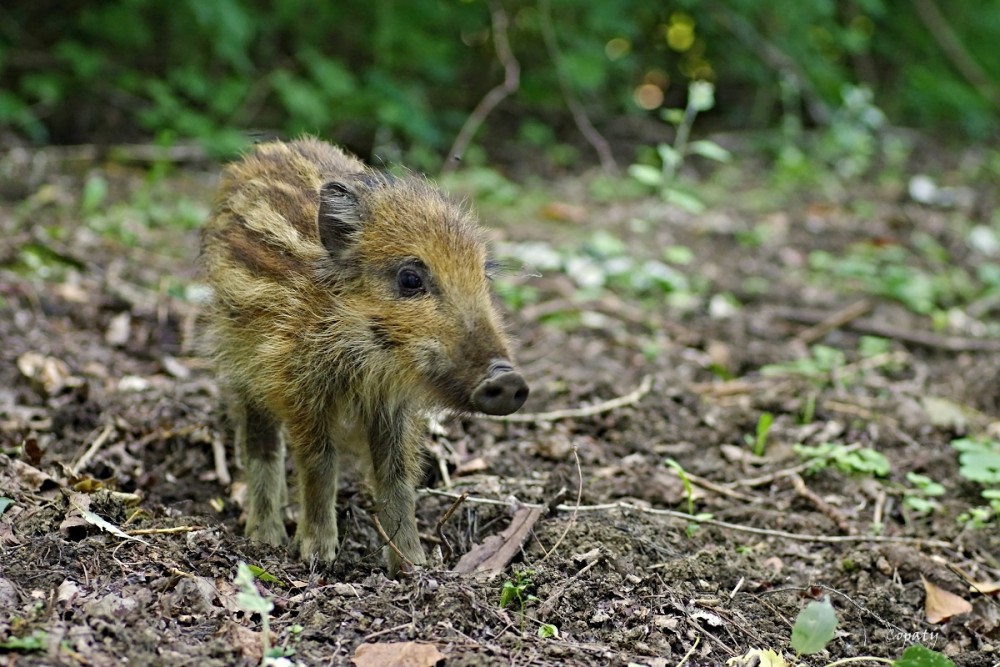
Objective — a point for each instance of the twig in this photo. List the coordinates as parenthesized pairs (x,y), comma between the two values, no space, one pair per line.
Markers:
(834,321)
(392,545)
(93,449)
(721,489)
(824,507)
(511,82)
(219,456)
(579,498)
(631,398)
(583,123)
(444,519)
(794,470)
(690,518)
(949,42)
(690,652)
(164,531)
(922,338)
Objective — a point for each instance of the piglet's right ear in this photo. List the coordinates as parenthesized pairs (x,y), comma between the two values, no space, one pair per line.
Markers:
(339,215)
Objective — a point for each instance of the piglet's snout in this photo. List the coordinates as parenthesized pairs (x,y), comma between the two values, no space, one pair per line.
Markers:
(502,392)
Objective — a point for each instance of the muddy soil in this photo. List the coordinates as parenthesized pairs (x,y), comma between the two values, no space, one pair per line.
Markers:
(121,532)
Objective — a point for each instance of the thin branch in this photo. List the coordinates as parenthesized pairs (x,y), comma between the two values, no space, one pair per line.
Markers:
(834,321)
(912,336)
(579,498)
(95,446)
(583,123)
(444,519)
(691,518)
(392,545)
(511,82)
(631,398)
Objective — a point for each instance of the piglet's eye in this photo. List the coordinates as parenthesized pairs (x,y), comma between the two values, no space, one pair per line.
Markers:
(410,283)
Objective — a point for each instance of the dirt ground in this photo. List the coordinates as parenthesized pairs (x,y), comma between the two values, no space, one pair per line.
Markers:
(123,532)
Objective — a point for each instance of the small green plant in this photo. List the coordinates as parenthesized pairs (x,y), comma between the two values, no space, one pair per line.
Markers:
(688,489)
(701,97)
(854,460)
(979,462)
(548,631)
(758,441)
(33,642)
(921,497)
(814,627)
(819,367)
(253,602)
(515,591)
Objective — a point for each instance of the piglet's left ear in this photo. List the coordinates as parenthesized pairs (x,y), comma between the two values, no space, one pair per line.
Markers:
(339,216)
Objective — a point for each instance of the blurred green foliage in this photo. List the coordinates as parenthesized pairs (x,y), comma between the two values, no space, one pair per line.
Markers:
(405,74)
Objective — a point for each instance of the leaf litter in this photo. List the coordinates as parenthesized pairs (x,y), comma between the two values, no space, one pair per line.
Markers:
(120,537)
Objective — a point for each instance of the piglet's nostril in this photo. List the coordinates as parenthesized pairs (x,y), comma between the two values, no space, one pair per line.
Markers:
(502,392)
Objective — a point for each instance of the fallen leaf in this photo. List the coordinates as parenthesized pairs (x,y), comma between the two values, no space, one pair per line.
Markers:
(759,658)
(564,212)
(9,598)
(119,329)
(81,502)
(398,654)
(496,551)
(940,605)
(985,587)
(246,641)
(47,375)
(67,592)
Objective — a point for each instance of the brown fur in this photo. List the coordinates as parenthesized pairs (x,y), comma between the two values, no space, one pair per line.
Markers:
(317,340)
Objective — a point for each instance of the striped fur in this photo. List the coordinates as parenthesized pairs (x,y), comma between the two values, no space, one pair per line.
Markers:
(315,344)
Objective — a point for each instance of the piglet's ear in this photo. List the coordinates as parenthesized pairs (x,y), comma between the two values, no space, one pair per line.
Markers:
(339,215)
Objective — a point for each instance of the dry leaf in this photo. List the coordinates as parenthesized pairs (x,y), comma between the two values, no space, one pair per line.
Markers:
(397,654)
(755,656)
(67,592)
(564,212)
(985,587)
(246,641)
(941,605)
(48,375)
(119,329)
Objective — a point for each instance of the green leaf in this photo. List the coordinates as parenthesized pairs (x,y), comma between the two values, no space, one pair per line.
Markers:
(5,503)
(95,191)
(814,627)
(710,150)
(919,656)
(33,642)
(686,201)
(264,575)
(249,597)
(508,593)
(670,156)
(646,174)
(548,631)
(701,95)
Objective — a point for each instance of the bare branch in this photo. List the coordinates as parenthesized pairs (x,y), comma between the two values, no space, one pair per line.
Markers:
(511,82)
(583,123)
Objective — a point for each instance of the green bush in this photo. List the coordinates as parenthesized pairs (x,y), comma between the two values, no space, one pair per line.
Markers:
(402,74)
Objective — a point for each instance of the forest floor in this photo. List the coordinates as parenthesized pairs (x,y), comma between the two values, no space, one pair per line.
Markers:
(801,366)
